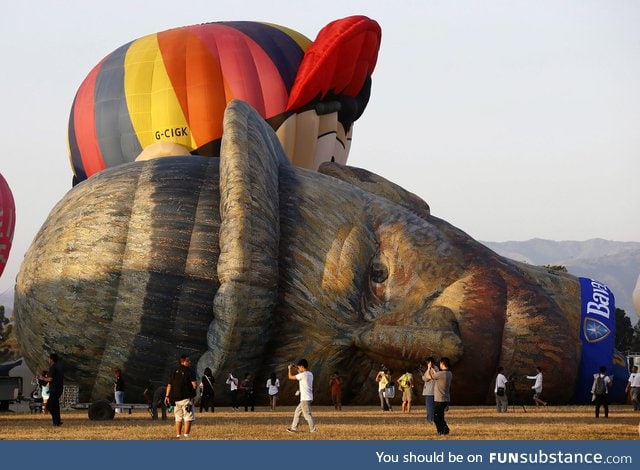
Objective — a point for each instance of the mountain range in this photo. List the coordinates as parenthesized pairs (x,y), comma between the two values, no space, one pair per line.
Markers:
(616,264)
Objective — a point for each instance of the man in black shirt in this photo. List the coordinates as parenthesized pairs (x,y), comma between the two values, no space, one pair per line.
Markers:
(56,386)
(181,390)
(155,393)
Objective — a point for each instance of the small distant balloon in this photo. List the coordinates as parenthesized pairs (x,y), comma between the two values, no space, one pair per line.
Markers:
(7,221)
(173,87)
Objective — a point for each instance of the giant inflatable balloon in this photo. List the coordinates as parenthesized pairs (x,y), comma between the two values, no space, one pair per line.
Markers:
(173,86)
(7,221)
(246,263)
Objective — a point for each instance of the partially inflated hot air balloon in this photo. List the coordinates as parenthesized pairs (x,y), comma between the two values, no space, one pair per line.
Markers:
(7,221)
(172,88)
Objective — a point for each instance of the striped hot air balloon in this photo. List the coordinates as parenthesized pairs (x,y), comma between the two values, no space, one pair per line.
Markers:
(7,221)
(172,88)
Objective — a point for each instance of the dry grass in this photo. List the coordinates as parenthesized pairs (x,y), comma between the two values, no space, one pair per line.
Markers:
(353,423)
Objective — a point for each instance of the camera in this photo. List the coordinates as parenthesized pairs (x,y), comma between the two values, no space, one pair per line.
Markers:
(188,408)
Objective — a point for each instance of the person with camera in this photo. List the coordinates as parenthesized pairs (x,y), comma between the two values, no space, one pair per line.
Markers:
(181,390)
(428,389)
(305,383)
(442,395)
(500,391)
(234,386)
(383,378)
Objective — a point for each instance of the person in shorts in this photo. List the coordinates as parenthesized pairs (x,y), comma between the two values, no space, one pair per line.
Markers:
(405,382)
(181,391)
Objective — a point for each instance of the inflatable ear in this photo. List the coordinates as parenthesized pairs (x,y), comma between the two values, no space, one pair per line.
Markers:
(377,185)
(250,157)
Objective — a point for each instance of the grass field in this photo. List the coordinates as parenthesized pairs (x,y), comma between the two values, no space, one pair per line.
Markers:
(352,423)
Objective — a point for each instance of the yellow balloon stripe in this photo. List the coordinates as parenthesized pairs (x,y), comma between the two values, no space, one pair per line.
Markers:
(154,108)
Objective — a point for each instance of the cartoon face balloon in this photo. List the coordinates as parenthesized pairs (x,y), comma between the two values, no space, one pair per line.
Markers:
(246,262)
(7,221)
(173,87)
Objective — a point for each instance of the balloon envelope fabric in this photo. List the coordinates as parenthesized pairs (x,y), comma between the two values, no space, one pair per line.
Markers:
(7,221)
(174,86)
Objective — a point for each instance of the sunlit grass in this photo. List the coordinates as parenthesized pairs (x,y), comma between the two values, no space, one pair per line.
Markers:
(353,423)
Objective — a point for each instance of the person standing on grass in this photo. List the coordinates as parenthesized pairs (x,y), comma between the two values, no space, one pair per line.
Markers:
(181,390)
(118,388)
(383,378)
(428,389)
(207,392)
(155,398)
(442,394)
(335,385)
(305,384)
(55,379)
(248,392)
(234,385)
(44,391)
(537,387)
(273,390)
(633,386)
(600,391)
(500,391)
(405,382)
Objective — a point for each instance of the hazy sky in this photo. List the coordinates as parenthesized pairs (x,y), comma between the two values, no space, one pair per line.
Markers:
(512,119)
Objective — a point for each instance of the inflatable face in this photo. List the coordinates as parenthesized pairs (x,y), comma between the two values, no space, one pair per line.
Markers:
(172,88)
(247,263)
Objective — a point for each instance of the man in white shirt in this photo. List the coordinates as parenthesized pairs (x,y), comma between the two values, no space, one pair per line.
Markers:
(234,385)
(633,385)
(500,391)
(305,383)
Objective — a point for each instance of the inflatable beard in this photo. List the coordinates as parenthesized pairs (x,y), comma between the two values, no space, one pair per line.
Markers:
(247,263)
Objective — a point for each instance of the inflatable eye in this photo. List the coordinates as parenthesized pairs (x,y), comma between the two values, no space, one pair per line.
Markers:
(379,272)
(377,292)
